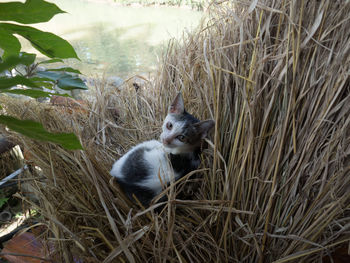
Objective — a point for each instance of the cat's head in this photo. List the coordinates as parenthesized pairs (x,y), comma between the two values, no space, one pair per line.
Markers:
(182,132)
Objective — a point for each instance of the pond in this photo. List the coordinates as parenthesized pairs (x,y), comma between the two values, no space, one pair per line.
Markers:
(118,40)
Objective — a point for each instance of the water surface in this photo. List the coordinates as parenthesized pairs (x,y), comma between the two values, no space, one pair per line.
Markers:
(117,40)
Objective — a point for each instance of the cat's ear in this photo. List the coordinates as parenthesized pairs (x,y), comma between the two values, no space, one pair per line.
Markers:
(204,127)
(177,106)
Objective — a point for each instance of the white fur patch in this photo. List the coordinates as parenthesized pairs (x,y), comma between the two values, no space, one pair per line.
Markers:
(176,129)
(117,166)
(176,146)
(161,172)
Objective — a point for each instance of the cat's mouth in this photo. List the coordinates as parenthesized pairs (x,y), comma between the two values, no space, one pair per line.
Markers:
(167,145)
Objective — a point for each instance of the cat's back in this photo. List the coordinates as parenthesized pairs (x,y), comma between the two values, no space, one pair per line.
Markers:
(139,161)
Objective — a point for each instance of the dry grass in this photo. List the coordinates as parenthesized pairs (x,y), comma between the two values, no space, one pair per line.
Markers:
(9,162)
(275,181)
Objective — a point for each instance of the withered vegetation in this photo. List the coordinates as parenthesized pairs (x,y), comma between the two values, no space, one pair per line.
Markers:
(274,184)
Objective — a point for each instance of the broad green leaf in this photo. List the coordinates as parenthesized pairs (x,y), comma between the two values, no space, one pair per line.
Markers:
(39,79)
(6,83)
(33,93)
(45,42)
(3,201)
(36,131)
(43,82)
(9,63)
(12,61)
(9,43)
(30,12)
(70,82)
(48,84)
(29,92)
(27,58)
(54,60)
(49,75)
(63,80)
(66,69)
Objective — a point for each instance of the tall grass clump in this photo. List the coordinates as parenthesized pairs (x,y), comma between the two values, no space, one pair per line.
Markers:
(274,184)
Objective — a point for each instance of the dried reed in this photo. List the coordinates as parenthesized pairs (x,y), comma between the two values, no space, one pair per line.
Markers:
(275,184)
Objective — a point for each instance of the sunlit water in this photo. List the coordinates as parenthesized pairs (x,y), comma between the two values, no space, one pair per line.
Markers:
(116,40)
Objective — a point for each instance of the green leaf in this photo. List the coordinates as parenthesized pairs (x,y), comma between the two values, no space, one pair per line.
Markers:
(36,131)
(30,12)
(9,43)
(69,82)
(46,83)
(43,82)
(11,61)
(63,80)
(3,201)
(49,75)
(29,92)
(6,83)
(45,42)
(54,60)
(66,69)
(27,58)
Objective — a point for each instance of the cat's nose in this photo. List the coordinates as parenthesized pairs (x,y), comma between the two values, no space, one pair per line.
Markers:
(166,142)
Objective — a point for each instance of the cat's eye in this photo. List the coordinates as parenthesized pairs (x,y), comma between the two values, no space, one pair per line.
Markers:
(169,125)
(181,138)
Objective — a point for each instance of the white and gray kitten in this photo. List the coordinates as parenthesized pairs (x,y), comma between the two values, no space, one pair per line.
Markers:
(146,169)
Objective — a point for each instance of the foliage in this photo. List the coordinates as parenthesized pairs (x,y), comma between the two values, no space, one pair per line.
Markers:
(3,201)
(31,82)
(35,130)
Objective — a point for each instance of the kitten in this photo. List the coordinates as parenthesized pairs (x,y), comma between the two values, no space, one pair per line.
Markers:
(148,167)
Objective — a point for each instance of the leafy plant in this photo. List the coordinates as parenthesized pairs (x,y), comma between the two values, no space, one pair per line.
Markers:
(32,81)
(3,201)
